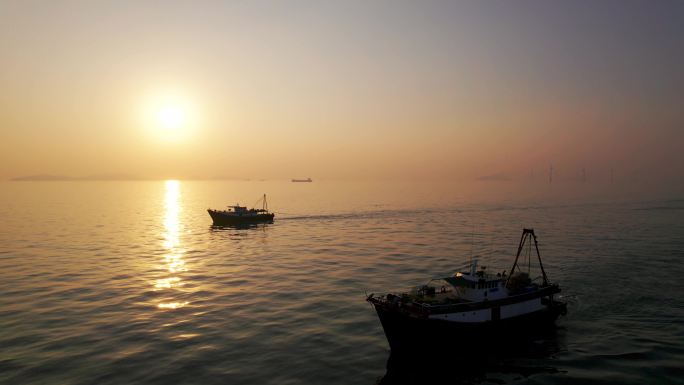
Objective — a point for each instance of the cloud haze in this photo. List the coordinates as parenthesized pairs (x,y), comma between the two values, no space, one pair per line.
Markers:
(357,90)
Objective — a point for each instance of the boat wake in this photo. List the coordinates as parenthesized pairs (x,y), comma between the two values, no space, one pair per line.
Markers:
(359,215)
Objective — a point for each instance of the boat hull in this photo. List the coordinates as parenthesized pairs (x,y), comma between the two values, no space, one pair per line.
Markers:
(221,218)
(406,331)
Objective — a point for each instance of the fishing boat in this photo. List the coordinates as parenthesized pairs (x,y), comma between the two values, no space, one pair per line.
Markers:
(237,215)
(302,180)
(471,304)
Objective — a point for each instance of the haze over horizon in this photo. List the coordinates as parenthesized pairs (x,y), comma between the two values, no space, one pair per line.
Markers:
(382,90)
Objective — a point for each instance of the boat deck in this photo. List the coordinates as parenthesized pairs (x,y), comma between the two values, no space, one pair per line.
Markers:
(411,305)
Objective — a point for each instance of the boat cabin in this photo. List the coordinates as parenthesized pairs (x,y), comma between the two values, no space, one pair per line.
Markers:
(242,210)
(238,209)
(464,286)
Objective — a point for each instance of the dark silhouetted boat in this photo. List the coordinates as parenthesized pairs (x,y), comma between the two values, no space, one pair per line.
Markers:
(302,180)
(238,215)
(470,305)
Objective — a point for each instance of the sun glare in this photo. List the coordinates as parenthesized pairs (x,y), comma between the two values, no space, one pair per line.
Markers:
(169,117)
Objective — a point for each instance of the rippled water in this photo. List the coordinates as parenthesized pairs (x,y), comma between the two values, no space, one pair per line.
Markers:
(127,282)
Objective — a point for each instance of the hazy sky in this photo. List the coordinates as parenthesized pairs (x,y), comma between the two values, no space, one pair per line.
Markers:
(368,89)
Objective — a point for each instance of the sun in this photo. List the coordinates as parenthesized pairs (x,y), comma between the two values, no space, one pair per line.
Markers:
(170,117)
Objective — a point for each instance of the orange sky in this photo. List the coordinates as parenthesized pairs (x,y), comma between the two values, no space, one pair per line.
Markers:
(343,91)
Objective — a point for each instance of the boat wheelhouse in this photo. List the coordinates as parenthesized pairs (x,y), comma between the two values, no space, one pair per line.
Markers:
(236,215)
(471,303)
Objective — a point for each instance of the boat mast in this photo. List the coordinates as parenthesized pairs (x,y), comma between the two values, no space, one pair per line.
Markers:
(528,233)
(541,266)
(264,205)
(520,246)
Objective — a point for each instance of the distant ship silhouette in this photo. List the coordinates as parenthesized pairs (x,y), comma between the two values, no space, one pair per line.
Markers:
(302,180)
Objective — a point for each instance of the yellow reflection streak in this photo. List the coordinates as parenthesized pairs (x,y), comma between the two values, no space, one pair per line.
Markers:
(167,283)
(172,209)
(172,305)
(174,254)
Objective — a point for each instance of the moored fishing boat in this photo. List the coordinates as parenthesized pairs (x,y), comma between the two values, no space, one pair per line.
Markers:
(470,304)
(238,215)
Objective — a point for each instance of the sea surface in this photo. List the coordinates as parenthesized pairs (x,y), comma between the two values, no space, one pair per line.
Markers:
(128,282)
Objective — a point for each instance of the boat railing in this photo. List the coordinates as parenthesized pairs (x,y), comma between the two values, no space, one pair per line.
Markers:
(426,308)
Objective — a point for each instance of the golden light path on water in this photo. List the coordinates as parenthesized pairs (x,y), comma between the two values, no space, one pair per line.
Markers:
(173,258)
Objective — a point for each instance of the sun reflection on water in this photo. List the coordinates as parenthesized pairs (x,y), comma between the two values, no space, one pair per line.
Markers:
(173,257)
(172,305)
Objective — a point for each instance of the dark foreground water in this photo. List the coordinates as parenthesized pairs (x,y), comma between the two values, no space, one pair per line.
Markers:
(127,282)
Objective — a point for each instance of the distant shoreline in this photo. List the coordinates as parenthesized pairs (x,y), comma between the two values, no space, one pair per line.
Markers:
(62,178)
(103,178)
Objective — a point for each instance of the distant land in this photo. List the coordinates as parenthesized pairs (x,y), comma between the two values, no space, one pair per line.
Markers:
(113,177)
(55,178)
